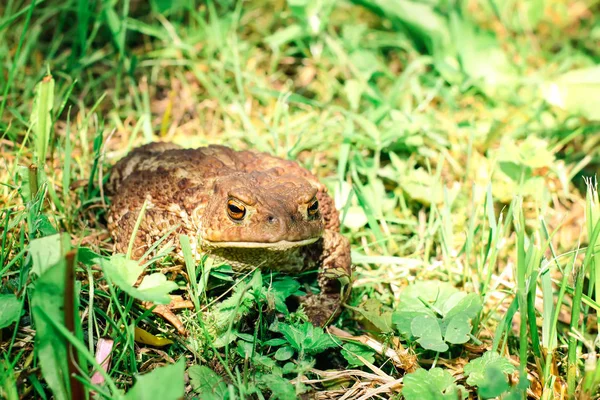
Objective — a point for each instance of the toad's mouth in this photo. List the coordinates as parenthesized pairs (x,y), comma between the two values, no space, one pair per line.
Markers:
(280,245)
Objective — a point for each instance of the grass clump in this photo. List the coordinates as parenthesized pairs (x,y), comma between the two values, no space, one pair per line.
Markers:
(454,136)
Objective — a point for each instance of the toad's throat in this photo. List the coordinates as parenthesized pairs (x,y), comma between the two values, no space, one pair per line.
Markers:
(280,245)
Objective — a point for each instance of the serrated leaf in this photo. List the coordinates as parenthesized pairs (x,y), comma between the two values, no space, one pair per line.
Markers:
(165,382)
(475,369)
(124,273)
(156,288)
(351,350)
(306,338)
(10,309)
(432,385)
(427,329)
(206,383)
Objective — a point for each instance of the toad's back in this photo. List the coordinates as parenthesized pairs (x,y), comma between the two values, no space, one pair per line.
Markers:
(178,186)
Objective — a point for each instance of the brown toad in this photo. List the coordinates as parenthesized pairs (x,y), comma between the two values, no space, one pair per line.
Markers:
(245,208)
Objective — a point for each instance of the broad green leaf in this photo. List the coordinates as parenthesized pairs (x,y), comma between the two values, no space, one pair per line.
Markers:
(306,338)
(280,387)
(372,309)
(576,92)
(433,292)
(351,350)
(124,273)
(10,309)
(480,54)
(427,329)
(87,256)
(403,320)
(475,369)
(452,301)
(163,383)
(281,290)
(494,385)
(46,251)
(432,385)
(156,288)
(50,345)
(457,329)
(207,384)
(470,305)
(284,353)
(244,348)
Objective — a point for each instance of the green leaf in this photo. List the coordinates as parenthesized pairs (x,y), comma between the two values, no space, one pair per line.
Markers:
(480,54)
(165,382)
(51,347)
(244,348)
(10,309)
(435,293)
(457,329)
(470,305)
(46,251)
(351,350)
(284,353)
(275,342)
(87,256)
(41,118)
(576,92)
(478,373)
(427,329)
(282,289)
(285,35)
(403,320)
(207,384)
(306,338)
(280,387)
(372,309)
(124,273)
(432,385)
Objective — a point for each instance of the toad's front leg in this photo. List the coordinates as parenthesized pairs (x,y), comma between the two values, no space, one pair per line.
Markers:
(332,254)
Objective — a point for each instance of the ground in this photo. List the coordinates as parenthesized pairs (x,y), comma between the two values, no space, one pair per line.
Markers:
(459,139)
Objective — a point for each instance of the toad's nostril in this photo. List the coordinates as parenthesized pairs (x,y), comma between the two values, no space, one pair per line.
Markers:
(271,219)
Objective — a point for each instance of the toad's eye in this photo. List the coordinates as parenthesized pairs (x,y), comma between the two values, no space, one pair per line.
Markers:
(236,210)
(313,208)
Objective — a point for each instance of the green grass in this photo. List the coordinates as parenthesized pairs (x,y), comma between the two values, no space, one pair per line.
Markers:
(455,137)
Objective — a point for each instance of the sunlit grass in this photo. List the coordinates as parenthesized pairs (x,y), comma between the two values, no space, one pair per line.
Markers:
(429,125)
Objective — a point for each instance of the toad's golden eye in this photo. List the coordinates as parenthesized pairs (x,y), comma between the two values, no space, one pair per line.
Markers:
(236,210)
(313,208)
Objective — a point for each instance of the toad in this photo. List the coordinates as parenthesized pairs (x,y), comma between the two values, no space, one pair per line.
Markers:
(244,208)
